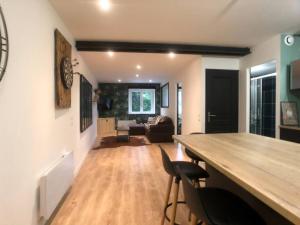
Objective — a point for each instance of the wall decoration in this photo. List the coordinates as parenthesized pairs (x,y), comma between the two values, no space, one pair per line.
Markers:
(86,100)
(114,97)
(289,114)
(97,93)
(165,96)
(63,80)
(4,45)
(66,71)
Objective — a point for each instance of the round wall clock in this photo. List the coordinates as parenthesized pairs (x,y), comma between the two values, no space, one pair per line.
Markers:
(3,45)
(66,70)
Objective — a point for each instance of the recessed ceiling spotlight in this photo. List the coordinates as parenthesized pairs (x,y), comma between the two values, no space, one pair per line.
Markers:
(105,5)
(110,53)
(137,75)
(150,81)
(139,67)
(172,55)
(119,81)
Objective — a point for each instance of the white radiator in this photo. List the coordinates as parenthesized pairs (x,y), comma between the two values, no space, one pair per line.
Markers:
(54,184)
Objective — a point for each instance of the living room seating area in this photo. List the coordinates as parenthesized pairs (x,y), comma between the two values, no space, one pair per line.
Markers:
(157,129)
(160,129)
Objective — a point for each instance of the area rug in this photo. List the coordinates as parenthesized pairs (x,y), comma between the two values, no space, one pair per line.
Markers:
(111,142)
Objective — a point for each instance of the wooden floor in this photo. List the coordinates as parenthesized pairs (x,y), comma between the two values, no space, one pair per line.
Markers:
(120,186)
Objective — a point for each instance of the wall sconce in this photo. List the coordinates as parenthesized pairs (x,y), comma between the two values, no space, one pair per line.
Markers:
(289,40)
(67,72)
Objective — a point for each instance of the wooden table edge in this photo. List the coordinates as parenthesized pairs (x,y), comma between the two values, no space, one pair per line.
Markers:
(266,200)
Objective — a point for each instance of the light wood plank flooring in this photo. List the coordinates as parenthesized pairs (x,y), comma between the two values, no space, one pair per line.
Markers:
(120,186)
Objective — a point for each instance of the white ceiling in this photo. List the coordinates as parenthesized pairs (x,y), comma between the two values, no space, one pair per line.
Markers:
(216,22)
(243,23)
(155,67)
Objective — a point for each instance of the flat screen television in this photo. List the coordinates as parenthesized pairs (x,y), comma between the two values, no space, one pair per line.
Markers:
(295,75)
(106,103)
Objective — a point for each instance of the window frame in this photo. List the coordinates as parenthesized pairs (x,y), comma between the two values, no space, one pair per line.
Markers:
(141,91)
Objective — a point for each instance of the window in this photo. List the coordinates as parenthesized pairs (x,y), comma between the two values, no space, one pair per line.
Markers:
(141,101)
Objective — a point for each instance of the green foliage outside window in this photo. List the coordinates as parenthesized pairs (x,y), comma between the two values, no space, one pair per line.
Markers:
(147,96)
(142,101)
(136,103)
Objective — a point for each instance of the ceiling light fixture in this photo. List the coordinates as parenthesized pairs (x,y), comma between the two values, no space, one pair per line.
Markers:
(137,75)
(172,55)
(105,5)
(150,81)
(139,67)
(110,53)
(119,81)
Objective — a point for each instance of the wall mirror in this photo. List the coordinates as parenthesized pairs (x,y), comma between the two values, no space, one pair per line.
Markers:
(86,101)
(165,96)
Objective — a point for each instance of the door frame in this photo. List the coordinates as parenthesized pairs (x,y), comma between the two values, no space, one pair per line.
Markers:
(274,74)
(178,87)
(205,94)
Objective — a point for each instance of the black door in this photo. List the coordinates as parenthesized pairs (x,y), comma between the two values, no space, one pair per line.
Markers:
(221,101)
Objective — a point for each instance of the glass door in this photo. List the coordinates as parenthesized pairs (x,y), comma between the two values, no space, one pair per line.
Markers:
(263,99)
(255,106)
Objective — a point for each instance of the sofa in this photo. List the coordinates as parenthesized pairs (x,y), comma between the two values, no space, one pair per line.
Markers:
(160,129)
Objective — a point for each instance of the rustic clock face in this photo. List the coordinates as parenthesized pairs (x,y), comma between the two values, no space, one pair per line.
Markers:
(66,72)
(3,45)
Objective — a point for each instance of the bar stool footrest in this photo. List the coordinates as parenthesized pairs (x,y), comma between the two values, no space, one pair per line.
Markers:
(166,208)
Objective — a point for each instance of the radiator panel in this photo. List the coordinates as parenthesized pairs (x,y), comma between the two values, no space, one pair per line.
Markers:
(54,184)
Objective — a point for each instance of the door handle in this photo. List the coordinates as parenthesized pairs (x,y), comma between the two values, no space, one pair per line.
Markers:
(210,115)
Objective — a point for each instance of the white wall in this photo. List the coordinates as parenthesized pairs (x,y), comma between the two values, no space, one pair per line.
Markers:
(33,134)
(221,63)
(265,52)
(192,78)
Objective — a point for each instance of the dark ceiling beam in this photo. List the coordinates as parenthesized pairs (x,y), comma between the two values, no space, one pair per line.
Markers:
(102,46)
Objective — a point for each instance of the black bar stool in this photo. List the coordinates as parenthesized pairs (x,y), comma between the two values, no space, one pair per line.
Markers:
(193,171)
(195,158)
(215,206)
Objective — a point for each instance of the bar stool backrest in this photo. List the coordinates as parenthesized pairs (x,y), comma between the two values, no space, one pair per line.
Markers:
(192,197)
(169,168)
(190,153)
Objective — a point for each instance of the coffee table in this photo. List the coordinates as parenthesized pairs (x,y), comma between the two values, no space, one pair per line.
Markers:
(123,134)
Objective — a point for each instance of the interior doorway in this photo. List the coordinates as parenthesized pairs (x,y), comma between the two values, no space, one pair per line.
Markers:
(263,99)
(179,109)
(221,101)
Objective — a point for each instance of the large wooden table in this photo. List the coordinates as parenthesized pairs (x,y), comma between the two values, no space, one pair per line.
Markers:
(267,168)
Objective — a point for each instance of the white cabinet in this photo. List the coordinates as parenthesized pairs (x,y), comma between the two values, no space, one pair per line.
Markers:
(106,126)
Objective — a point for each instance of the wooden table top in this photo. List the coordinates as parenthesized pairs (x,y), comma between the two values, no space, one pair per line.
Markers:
(267,168)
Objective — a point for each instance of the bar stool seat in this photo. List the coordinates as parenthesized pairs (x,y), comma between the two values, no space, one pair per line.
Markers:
(191,170)
(215,206)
